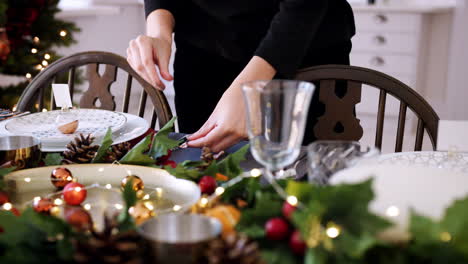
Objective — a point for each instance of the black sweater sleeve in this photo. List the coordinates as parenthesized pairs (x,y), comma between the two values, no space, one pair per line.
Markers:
(151,5)
(290,34)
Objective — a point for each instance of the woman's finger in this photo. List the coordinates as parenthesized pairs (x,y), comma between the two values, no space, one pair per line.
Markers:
(135,61)
(163,56)
(225,143)
(146,56)
(214,136)
(205,129)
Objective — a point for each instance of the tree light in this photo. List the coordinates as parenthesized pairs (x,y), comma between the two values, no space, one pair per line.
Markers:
(33,50)
(28,75)
(63,33)
(47,56)
(36,40)
(45,63)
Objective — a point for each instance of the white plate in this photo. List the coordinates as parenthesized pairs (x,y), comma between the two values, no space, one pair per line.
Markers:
(428,190)
(135,127)
(43,125)
(456,161)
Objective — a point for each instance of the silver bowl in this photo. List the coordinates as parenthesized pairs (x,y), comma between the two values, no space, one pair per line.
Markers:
(19,151)
(179,238)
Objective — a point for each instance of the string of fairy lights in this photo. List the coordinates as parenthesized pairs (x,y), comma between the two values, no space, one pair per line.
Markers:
(43,60)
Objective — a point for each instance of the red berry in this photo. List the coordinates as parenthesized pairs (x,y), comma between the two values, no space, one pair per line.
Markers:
(297,245)
(4,198)
(277,228)
(171,163)
(78,218)
(287,210)
(207,184)
(74,193)
(15,211)
(163,159)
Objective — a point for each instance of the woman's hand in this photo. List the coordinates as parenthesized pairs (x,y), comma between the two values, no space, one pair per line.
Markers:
(144,53)
(227,124)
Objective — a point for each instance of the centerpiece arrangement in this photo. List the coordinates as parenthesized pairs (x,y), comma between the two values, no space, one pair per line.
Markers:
(93,203)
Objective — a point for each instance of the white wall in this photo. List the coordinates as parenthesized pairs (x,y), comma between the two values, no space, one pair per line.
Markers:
(457,95)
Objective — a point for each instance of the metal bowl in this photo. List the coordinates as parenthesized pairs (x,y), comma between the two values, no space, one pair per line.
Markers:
(179,238)
(19,151)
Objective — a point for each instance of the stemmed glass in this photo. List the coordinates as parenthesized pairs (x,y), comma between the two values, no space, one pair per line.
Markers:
(276,119)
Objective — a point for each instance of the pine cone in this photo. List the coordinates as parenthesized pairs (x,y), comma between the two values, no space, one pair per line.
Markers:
(80,151)
(109,246)
(117,152)
(234,248)
(207,156)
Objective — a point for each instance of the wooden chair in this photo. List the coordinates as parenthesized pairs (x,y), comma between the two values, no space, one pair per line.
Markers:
(99,85)
(342,109)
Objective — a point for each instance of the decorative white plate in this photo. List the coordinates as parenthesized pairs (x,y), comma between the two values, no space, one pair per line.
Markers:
(24,185)
(135,127)
(456,161)
(43,125)
(400,188)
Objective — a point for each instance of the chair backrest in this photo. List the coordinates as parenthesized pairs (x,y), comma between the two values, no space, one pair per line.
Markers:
(341,109)
(99,85)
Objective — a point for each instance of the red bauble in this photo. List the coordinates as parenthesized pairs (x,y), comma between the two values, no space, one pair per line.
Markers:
(61,177)
(297,245)
(207,184)
(4,198)
(287,210)
(171,163)
(74,193)
(43,205)
(277,228)
(78,218)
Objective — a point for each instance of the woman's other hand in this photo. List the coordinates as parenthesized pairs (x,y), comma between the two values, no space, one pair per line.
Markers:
(227,124)
(154,49)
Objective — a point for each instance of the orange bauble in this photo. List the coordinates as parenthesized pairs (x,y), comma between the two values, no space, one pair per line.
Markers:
(228,215)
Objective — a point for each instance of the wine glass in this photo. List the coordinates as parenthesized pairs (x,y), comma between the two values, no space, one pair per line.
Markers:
(276,119)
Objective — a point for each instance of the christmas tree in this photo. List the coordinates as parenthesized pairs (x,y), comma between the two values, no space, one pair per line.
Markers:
(29,33)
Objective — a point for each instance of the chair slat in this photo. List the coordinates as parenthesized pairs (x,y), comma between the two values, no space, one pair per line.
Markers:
(380,119)
(128,90)
(40,99)
(419,136)
(71,81)
(401,127)
(52,101)
(154,117)
(141,108)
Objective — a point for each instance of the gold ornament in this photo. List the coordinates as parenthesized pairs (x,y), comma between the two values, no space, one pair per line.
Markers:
(137,183)
(142,211)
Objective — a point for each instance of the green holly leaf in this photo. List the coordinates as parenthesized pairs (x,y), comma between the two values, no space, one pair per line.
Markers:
(161,141)
(230,166)
(280,253)
(184,173)
(125,220)
(267,205)
(455,222)
(3,172)
(53,159)
(102,150)
(137,155)
(424,229)
(315,256)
